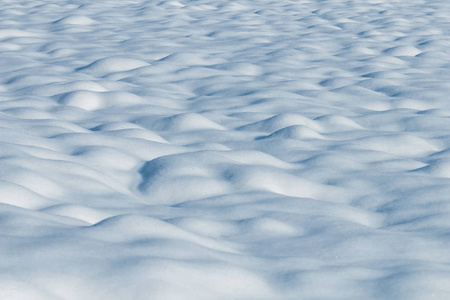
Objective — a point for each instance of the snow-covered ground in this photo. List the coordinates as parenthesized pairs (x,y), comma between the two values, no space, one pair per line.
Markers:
(213,149)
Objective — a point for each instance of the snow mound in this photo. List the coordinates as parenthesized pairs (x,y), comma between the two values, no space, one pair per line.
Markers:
(113,64)
(181,122)
(402,51)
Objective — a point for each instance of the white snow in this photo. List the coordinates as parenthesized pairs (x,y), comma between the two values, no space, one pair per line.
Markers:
(247,149)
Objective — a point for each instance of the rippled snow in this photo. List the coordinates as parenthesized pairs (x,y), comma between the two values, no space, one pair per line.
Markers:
(201,149)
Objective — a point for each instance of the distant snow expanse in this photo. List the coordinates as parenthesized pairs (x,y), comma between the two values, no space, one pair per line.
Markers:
(224,150)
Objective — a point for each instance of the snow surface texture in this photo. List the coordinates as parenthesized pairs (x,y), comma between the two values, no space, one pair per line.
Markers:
(247,149)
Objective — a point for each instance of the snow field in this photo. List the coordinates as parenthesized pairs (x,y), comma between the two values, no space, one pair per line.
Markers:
(204,149)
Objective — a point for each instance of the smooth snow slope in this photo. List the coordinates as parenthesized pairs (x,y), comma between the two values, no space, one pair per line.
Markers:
(245,149)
